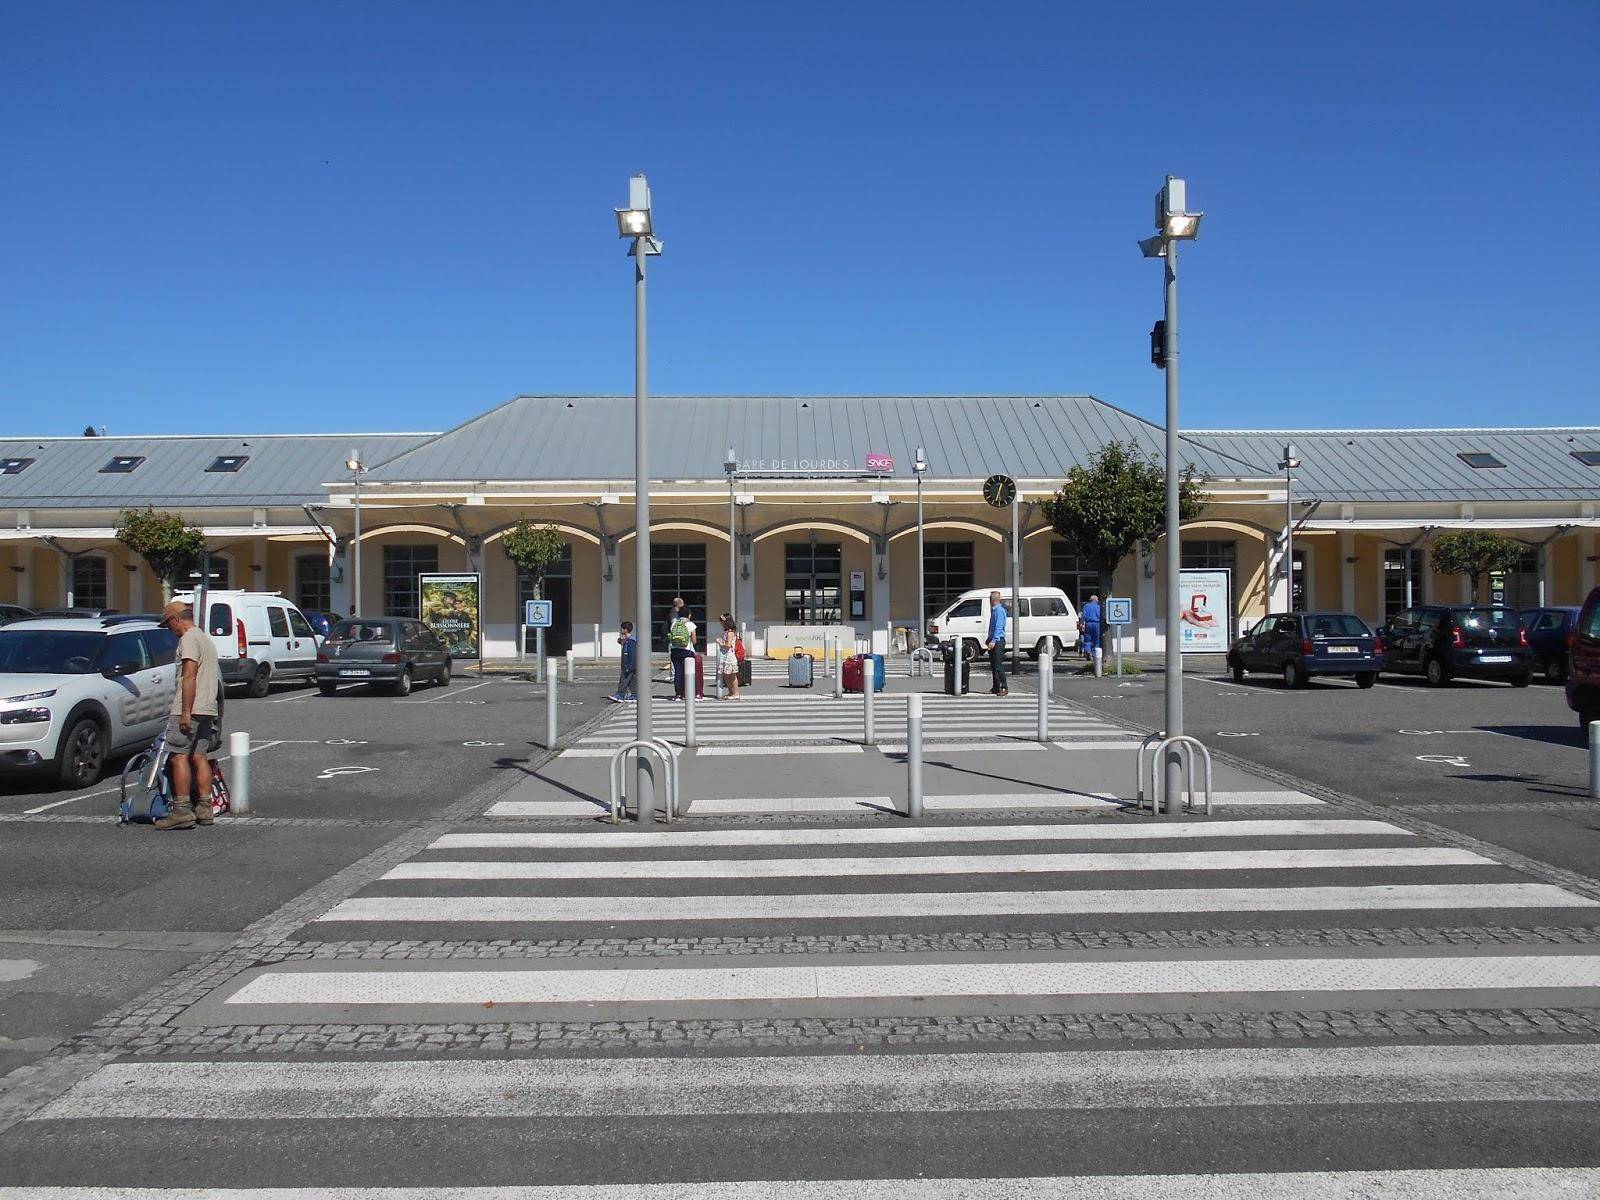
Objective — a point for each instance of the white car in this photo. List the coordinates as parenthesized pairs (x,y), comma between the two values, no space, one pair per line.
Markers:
(1047,620)
(260,637)
(76,690)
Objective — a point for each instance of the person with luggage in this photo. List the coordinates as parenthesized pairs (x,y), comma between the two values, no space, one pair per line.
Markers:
(628,672)
(193,732)
(728,646)
(680,644)
(996,645)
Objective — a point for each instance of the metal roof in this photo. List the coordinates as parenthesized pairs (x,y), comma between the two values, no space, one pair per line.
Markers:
(282,469)
(1419,465)
(965,437)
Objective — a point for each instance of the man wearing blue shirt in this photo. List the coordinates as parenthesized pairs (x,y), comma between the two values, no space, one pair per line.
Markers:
(1091,629)
(996,644)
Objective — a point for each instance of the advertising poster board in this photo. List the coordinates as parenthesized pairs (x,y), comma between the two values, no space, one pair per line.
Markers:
(1205,600)
(451,607)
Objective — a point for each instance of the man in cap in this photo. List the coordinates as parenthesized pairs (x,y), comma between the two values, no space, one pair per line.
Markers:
(194,731)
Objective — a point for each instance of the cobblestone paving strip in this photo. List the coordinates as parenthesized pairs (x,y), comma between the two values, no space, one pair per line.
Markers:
(575,1038)
(1403,816)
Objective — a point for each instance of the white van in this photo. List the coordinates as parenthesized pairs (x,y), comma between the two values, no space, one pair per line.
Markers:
(1047,619)
(260,637)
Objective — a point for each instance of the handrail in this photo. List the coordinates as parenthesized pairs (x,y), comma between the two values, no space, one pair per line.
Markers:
(665,753)
(921,662)
(1187,746)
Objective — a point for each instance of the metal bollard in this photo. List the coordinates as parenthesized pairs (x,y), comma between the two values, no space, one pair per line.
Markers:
(1044,696)
(691,684)
(1099,662)
(838,673)
(550,704)
(1594,759)
(914,756)
(597,641)
(961,664)
(570,654)
(239,768)
(868,732)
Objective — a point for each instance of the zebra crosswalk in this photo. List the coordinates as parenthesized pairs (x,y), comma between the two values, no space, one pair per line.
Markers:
(951,928)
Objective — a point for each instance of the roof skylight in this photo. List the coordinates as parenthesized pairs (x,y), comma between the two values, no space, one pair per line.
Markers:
(1480,460)
(228,462)
(1589,458)
(14,466)
(122,464)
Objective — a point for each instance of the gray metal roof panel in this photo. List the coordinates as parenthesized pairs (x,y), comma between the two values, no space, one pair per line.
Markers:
(591,437)
(282,469)
(1423,464)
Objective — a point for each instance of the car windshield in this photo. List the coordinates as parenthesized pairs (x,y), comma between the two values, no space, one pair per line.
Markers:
(48,651)
(362,631)
(1336,625)
(1489,618)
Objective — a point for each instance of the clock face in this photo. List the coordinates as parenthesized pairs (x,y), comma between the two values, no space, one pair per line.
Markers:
(999,490)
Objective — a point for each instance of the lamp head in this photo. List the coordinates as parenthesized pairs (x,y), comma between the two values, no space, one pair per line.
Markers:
(1290,462)
(731,463)
(354,463)
(1173,218)
(635,220)
(919,464)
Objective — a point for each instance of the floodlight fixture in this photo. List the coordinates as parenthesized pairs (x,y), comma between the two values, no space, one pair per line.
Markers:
(635,220)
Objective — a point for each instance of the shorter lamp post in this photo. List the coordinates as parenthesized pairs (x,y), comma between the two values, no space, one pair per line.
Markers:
(919,465)
(356,467)
(731,466)
(1288,466)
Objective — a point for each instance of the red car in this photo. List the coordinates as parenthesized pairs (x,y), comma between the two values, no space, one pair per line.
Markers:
(1583,680)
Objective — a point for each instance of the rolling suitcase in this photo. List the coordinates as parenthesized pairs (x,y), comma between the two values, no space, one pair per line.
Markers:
(745,674)
(854,673)
(950,674)
(877,671)
(800,670)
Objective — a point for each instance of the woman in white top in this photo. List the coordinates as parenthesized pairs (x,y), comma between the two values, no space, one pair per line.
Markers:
(728,657)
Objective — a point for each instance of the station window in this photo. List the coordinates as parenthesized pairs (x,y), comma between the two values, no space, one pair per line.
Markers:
(947,571)
(313,583)
(812,578)
(1212,555)
(401,566)
(1395,600)
(1071,572)
(677,569)
(90,582)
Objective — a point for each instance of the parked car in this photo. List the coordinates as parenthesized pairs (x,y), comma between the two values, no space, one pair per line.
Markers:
(1442,642)
(14,612)
(76,690)
(1583,662)
(57,614)
(1547,637)
(394,652)
(322,622)
(260,637)
(1298,646)
(1047,620)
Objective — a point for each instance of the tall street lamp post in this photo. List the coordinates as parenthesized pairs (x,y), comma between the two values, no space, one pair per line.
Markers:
(919,465)
(635,224)
(356,467)
(731,465)
(1288,466)
(1174,224)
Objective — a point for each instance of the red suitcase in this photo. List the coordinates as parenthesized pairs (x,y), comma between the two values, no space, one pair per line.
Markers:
(700,676)
(854,673)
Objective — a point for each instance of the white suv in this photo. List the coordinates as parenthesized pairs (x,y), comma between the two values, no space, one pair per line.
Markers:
(1045,620)
(76,690)
(259,636)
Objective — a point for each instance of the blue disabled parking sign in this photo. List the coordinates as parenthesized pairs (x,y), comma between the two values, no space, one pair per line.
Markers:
(536,614)
(1119,611)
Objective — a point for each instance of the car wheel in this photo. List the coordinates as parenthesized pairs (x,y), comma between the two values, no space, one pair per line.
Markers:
(1556,670)
(1237,668)
(402,686)
(969,650)
(260,683)
(1366,679)
(327,689)
(444,674)
(1435,673)
(82,756)
(1520,681)
(1294,675)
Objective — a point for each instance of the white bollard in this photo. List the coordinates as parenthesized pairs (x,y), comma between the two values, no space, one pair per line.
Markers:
(914,755)
(868,732)
(691,680)
(550,704)
(961,663)
(1594,759)
(1044,696)
(570,655)
(1099,662)
(597,641)
(838,672)
(239,789)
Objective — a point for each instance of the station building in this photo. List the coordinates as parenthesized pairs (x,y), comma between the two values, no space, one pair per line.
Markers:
(814,525)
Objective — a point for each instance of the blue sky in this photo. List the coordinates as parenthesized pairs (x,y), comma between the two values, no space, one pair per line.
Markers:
(394,215)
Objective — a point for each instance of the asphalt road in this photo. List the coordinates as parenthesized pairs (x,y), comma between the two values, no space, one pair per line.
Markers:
(361,766)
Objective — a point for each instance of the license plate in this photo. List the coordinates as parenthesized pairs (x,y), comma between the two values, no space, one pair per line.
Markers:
(1344,649)
(1495,658)
(350,671)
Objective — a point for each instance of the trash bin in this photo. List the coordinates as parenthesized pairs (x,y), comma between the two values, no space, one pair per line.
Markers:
(800,670)
(950,671)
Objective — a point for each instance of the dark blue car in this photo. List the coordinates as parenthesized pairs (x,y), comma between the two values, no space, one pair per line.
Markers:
(1298,646)
(1547,635)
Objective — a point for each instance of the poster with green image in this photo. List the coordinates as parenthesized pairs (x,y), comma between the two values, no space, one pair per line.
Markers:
(451,608)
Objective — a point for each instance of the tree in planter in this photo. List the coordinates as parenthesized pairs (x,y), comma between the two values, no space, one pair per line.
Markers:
(171,548)
(1117,504)
(1475,553)
(531,549)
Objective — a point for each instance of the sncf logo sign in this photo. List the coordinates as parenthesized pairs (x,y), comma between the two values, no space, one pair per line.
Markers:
(880,462)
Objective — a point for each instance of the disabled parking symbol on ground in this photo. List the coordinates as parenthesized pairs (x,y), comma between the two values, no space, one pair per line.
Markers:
(336,772)
(1448,760)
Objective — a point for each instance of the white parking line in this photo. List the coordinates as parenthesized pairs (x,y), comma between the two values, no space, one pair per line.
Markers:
(33,812)
(441,694)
